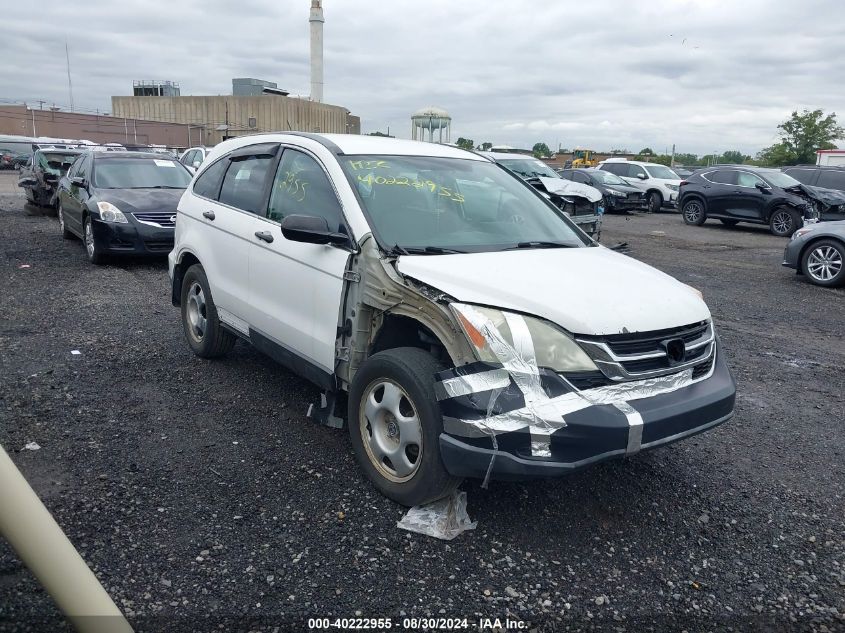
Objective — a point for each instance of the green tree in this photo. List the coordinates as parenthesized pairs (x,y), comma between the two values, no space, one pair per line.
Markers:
(732,157)
(687,159)
(465,143)
(646,151)
(663,159)
(486,146)
(800,136)
(540,150)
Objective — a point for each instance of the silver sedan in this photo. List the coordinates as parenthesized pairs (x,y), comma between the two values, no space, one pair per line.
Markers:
(818,251)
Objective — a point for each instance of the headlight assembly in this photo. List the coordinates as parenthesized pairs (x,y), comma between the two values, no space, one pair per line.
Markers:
(110,213)
(495,336)
(618,194)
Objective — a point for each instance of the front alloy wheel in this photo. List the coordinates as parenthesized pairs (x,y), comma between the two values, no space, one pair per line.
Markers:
(94,255)
(390,427)
(197,320)
(823,263)
(784,222)
(62,226)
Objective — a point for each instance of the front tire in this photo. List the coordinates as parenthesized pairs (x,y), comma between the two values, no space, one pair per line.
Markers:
(784,222)
(693,212)
(655,202)
(206,337)
(395,425)
(94,254)
(824,263)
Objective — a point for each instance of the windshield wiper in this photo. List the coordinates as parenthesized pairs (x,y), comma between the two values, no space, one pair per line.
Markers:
(397,250)
(540,244)
(160,187)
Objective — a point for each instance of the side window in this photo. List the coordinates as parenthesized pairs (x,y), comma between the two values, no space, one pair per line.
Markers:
(831,179)
(208,183)
(243,185)
(577,176)
(302,187)
(612,168)
(722,176)
(84,168)
(74,168)
(804,176)
(634,171)
(188,159)
(566,174)
(747,179)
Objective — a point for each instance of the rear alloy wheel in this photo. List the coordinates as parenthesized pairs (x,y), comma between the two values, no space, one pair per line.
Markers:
(395,425)
(94,254)
(202,327)
(62,226)
(823,263)
(655,202)
(784,222)
(694,212)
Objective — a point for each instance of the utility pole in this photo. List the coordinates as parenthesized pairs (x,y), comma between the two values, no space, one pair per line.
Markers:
(672,159)
(33,122)
(125,130)
(69,84)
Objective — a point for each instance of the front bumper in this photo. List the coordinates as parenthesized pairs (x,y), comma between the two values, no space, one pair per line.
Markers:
(672,201)
(792,254)
(590,224)
(132,238)
(596,433)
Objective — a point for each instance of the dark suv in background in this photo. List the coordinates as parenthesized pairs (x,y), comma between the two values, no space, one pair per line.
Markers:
(825,181)
(740,193)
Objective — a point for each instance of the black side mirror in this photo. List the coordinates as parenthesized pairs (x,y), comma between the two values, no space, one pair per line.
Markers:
(311,229)
(79,181)
(761,186)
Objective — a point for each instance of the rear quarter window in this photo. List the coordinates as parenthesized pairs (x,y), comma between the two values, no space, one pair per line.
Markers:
(804,176)
(829,179)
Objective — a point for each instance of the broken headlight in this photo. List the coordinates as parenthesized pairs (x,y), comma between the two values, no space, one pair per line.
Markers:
(497,336)
(110,213)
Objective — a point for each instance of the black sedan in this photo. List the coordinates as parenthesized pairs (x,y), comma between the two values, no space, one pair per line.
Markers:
(121,203)
(741,193)
(40,177)
(818,252)
(618,195)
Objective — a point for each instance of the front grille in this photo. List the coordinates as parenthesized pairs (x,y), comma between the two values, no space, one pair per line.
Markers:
(644,342)
(166,219)
(644,354)
(702,369)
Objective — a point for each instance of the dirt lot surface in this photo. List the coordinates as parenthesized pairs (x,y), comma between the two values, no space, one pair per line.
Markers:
(205,500)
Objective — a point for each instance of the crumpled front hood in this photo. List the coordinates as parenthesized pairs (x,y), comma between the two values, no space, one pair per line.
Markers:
(593,290)
(563,187)
(142,200)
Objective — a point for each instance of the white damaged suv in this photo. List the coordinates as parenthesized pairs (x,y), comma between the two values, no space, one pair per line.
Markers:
(459,322)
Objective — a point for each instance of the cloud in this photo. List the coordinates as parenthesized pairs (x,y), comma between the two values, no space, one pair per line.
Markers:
(694,73)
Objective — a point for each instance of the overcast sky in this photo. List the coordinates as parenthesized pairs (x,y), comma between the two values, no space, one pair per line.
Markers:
(707,75)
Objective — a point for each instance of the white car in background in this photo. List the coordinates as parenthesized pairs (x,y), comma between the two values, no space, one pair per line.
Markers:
(659,182)
(193,157)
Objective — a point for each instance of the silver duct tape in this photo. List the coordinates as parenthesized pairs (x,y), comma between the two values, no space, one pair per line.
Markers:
(472,383)
(635,427)
(637,389)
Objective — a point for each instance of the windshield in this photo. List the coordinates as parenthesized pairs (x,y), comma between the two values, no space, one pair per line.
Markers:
(659,171)
(529,167)
(779,179)
(139,173)
(419,202)
(606,178)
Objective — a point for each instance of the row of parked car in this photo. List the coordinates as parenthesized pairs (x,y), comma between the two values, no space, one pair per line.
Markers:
(419,287)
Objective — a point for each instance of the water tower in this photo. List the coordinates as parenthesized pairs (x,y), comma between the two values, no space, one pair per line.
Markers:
(428,121)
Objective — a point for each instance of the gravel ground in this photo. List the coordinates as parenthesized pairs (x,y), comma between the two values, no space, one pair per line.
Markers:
(205,500)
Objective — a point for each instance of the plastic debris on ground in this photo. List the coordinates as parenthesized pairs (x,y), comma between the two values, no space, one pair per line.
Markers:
(24,266)
(444,519)
(31,446)
(75,352)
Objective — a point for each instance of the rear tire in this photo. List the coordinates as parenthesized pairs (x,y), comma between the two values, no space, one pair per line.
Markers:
(62,226)
(693,212)
(784,222)
(823,263)
(206,336)
(395,425)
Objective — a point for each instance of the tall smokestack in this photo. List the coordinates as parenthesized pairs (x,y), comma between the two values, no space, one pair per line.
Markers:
(316,20)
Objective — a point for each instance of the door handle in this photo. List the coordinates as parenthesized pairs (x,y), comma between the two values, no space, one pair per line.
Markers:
(264,236)
(208,214)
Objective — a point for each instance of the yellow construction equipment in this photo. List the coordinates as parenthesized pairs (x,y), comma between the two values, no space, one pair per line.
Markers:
(583,158)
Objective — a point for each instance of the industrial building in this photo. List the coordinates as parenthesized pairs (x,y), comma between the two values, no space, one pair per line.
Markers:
(255,105)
